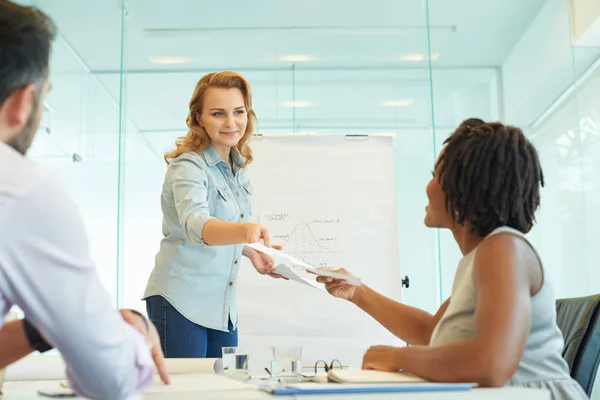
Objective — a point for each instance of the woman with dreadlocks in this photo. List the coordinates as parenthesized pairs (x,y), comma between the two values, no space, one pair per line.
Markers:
(499,325)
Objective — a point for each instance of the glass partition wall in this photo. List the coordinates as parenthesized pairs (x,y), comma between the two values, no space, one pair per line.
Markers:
(123,73)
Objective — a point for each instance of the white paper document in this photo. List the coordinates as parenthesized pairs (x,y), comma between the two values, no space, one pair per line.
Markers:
(289,273)
(299,271)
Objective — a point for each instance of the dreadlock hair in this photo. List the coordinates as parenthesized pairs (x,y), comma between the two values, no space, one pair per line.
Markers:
(491,176)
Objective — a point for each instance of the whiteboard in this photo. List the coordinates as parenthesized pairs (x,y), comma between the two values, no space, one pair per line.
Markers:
(331,202)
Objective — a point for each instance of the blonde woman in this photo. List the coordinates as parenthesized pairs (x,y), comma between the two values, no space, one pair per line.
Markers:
(207,205)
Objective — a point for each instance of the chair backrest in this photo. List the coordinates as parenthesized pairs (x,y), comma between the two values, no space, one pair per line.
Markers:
(577,318)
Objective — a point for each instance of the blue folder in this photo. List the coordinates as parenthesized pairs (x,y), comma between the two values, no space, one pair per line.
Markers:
(334,388)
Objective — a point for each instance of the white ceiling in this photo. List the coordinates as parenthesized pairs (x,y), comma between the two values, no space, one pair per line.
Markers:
(247,34)
(355,51)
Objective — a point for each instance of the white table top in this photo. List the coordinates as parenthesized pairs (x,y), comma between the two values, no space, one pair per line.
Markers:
(211,386)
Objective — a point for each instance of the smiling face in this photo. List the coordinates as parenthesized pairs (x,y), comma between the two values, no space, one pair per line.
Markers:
(487,176)
(224,117)
(436,215)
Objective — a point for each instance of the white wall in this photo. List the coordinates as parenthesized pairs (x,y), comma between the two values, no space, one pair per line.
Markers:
(540,66)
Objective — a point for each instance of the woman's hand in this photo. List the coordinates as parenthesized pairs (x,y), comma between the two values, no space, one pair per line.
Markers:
(255,233)
(338,287)
(264,263)
(382,358)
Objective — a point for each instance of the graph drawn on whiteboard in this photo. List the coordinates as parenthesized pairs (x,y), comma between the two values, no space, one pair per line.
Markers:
(316,241)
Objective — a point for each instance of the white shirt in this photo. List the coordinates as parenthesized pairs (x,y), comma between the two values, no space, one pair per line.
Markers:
(46,270)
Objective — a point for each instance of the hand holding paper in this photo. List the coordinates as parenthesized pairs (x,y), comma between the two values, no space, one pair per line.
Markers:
(263,262)
(339,285)
(297,269)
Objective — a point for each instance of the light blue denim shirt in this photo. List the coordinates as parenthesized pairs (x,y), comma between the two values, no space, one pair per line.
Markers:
(198,279)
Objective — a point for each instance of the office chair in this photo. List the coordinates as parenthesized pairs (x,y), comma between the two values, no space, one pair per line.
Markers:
(577,318)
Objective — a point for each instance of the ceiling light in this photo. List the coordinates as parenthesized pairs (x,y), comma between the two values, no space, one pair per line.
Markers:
(382,133)
(417,57)
(296,58)
(297,104)
(168,60)
(398,103)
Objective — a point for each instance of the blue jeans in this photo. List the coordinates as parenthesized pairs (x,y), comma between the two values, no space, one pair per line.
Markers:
(181,338)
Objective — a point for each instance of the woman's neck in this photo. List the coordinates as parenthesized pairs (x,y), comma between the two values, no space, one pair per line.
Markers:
(465,237)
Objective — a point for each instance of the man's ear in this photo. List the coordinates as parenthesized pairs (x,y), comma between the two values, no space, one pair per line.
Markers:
(20,105)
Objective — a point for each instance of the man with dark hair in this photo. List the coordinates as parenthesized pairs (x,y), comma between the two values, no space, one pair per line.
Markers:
(25,38)
(45,266)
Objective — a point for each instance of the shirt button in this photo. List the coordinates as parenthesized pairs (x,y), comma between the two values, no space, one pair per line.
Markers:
(241,215)
(235,262)
(230,283)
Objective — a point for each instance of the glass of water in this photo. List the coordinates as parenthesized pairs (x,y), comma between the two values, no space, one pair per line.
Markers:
(287,362)
(235,362)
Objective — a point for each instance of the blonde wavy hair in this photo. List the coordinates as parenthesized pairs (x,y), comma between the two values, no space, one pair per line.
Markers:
(197,139)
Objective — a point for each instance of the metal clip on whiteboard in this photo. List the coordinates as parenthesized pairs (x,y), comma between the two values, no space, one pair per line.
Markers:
(357,137)
(258,136)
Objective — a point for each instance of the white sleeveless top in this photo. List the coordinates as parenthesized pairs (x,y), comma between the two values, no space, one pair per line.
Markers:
(542,365)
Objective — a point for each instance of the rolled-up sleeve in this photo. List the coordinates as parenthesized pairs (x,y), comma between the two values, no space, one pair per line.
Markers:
(189,183)
(47,271)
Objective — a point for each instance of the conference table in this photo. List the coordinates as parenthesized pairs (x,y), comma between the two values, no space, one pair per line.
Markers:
(196,379)
(212,386)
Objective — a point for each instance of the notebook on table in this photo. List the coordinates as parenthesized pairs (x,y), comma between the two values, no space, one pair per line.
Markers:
(371,376)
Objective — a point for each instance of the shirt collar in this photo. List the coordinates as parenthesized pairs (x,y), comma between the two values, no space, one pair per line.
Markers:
(237,158)
(7,147)
(213,158)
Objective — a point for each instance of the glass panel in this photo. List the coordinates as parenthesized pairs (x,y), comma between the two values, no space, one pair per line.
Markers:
(586,55)
(413,70)
(315,68)
(79,135)
(557,102)
(539,68)
(466,59)
(519,67)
